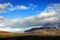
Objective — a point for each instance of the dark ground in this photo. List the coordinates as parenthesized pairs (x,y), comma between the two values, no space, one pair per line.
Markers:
(31,38)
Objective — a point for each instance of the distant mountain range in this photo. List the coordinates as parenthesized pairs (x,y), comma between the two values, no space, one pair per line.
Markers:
(45,26)
(40,28)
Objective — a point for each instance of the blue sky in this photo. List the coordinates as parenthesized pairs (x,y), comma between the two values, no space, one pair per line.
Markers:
(21,15)
(35,7)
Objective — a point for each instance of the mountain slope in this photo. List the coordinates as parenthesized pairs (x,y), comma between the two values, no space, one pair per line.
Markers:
(39,32)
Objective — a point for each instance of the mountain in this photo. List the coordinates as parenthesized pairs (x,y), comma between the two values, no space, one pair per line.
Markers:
(44,32)
(39,32)
(34,35)
(39,28)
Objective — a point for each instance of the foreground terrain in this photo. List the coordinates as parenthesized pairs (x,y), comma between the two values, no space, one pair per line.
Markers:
(32,35)
(40,32)
(31,38)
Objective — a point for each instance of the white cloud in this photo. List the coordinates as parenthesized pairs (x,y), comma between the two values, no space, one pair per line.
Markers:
(33,6)
(22,7)
(16,30)
(5,7)
(1,17)
(50,16)
(19,7)
(37,20)
(1,24)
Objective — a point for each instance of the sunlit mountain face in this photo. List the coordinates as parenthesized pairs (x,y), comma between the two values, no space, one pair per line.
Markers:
(20,15)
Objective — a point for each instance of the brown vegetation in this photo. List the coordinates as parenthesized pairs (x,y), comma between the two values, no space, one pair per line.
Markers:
(43,32)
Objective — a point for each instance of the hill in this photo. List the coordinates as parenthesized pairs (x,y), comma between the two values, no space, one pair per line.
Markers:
(43,32)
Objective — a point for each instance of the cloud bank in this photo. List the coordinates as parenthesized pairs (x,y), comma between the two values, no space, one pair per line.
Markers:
(50,16)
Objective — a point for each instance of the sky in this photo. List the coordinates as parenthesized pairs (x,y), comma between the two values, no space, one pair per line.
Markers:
(26,14)
(24,8)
